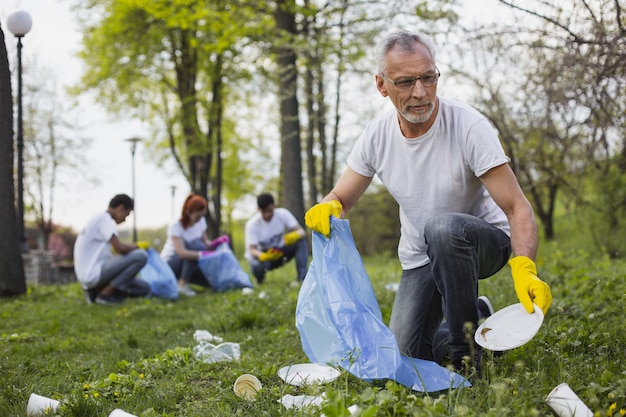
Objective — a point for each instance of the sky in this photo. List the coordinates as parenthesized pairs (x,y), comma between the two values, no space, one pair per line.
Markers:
(53,42)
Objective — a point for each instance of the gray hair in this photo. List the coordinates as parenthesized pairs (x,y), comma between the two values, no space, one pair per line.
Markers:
(403,41)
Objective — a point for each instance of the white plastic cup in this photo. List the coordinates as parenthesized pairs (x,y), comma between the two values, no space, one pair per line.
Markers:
(118,412)
(566,403)
(246,386)
(38,405)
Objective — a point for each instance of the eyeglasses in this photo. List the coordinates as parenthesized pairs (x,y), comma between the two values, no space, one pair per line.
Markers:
(427,80)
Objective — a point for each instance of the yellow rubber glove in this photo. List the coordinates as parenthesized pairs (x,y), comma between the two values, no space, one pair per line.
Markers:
(271,255)
(529,288)
(292,237)
(143,244)
(318,216)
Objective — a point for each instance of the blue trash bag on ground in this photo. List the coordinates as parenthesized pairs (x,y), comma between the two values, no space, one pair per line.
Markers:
(222,270)
(340,322)
(160,276)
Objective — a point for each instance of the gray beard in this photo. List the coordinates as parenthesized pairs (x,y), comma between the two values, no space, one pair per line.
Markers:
(418,119)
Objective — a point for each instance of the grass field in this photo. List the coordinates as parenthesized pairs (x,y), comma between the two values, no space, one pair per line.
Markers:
(139,356)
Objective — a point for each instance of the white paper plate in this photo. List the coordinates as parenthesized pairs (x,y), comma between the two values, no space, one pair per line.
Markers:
(307,374)
(509,328)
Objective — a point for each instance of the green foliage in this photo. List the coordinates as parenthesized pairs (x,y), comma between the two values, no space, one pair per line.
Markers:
(171,64)
(375,223)
(604,207)
(435,11)
(139,356)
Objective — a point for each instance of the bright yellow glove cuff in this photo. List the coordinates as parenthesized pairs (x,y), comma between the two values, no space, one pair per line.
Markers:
(143,244)
(318,216)
(292,237)
(529,288)
(270,255)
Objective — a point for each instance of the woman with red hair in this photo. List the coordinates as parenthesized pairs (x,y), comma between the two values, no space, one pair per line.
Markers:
(186,240)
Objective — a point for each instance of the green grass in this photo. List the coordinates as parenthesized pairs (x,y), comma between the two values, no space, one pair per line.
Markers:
(138,356)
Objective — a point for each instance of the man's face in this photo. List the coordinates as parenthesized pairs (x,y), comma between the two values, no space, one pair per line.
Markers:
(268,212)
(119,214)
(417,103)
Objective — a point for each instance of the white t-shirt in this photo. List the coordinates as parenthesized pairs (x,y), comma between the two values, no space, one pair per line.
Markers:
(266,235)
(193,232)
(435,173)
(93,248)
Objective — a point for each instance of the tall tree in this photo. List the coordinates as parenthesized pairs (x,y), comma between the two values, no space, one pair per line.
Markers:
(291,159)
(169,62)
(559,110)
(589,44)
(537,126)
(52,149)
(12,279)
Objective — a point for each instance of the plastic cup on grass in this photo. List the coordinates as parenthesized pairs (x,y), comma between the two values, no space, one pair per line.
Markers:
(246,386)
(118,412)
(39,405)
(566,403)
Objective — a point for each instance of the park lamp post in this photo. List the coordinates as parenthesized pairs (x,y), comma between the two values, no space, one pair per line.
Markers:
(133,147)
(172,208)
(19,24)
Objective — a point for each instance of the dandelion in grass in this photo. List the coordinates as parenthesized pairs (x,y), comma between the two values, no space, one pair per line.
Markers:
(612,411)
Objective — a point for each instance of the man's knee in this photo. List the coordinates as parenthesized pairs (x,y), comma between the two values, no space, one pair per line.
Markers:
(139,256)
(437,225)
(444,228)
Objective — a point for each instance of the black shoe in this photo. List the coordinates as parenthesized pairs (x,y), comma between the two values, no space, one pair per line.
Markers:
(109,299)
(137,289)
(484,307)
(90,295)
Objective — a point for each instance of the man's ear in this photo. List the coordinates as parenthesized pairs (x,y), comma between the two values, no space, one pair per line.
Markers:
(380,85)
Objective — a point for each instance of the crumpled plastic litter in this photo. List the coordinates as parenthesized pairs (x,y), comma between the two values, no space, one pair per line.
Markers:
(210,353)
(299,401)
(206,336)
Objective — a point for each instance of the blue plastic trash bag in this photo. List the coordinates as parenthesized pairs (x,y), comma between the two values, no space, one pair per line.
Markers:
(340,322)
(160,276)
(222,270)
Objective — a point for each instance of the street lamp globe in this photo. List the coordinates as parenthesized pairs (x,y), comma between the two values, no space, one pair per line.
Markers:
(19,23)
(133,147)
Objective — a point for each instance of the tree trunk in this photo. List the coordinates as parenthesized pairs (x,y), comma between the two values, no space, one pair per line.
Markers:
(12,279)
(291,158)
(310,130)
(216,113)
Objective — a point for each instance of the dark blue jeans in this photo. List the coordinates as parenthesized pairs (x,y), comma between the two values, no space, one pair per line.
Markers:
(299,250)
(121,272)
(462,249)
(187,269)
